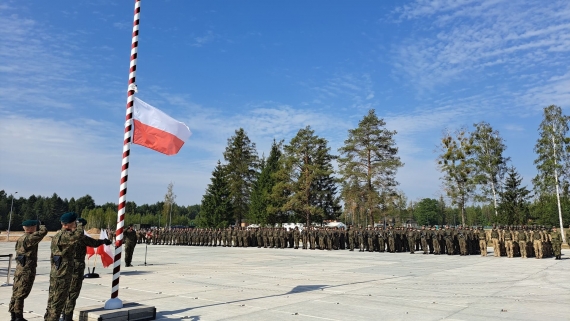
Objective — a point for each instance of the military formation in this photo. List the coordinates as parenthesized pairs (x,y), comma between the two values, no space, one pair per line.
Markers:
(67,258)
(521,241)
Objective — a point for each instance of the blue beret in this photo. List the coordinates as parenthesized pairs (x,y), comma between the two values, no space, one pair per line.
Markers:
(68,217)
(30,223)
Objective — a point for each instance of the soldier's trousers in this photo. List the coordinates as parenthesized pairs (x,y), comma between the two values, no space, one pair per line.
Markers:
(58,288)
(361,244)
(496,248)
(351,243)
(449,246)
(370,244)
(424,245)
(537,248)
(296,242)
(23,283)
(522,246)
(381,244)
(74,287)
(556,248)
(304,242)
(463,246)
(391,245)
(483,247)
(509,248)
(129,249)
(411,244)
(436,247)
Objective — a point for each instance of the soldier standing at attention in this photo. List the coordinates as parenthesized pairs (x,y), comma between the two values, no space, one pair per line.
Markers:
(411,235)
(62,252)
(296,237)
(79,269)
(27,258)
(130,237)
(424,239)
(495,239)
(521,238)
(351,236)
(556,243)
(482,235)
(508,236)
(537,243)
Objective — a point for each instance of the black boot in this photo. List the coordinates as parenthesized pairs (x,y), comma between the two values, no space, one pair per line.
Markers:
(20,317)
(12,316)
(68,317)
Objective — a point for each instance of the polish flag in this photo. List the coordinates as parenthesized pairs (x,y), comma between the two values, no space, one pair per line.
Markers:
(105,251)
(156,130)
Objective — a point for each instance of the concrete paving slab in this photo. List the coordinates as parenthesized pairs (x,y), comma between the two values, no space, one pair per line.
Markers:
(207,283)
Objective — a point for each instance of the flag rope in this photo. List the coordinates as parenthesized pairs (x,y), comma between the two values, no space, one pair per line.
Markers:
(126,153)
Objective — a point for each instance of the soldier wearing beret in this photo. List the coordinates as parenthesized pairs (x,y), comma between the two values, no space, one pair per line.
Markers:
(27,258)
(62,264)
(80,250)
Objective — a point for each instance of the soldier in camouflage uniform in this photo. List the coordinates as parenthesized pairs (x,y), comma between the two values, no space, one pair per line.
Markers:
(80,251)
(130,241)
(556,238)
(62,264)
(27,258)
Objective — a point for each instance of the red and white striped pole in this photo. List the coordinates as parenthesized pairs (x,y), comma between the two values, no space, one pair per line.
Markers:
(115,302)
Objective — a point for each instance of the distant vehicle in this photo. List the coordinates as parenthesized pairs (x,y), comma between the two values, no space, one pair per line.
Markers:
(336,224)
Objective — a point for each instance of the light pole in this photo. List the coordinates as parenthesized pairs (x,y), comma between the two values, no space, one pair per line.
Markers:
(10,219)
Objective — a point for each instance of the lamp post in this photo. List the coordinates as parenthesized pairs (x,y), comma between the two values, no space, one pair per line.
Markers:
(10,219)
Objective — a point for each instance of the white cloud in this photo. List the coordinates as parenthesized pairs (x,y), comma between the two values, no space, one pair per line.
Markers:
(467,37)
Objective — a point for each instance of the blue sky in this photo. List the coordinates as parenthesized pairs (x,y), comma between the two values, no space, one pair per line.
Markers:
(271,68)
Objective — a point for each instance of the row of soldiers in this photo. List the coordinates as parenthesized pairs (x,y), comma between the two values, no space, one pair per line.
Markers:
(510,241)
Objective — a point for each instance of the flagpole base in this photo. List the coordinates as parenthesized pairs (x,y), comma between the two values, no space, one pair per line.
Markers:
(113,303)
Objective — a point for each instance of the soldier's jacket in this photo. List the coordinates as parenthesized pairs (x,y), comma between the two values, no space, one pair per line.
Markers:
(556,238)
(129,237)
(27,245)
(63,246)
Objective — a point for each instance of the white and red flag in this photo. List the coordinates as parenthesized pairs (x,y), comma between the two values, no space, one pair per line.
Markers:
(156,130)
(105,251)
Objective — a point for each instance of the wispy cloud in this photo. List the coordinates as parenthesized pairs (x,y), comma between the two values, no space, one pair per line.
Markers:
(208,37)
(467,37)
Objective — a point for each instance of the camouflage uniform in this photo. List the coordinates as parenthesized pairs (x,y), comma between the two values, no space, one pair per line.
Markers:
(80,251)
(27,246)
(63,246)
(130,237)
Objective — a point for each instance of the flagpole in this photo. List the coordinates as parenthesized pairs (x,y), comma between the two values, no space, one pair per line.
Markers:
(114,302)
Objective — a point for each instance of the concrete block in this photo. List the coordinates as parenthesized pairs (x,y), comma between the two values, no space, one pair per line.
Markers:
(130,312)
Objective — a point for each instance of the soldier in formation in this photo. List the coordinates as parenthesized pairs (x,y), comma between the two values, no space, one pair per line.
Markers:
(508,241)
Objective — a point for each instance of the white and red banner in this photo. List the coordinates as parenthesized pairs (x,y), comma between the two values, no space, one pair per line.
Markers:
(105,251)
(156,130)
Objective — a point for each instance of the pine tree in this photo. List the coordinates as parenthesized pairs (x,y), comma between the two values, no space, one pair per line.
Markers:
(242,166)
(514,200)
(369,158)
(456,163)
(216,208)
(305,161)
(553,156)
(489,163)
(169,198)
(263,186)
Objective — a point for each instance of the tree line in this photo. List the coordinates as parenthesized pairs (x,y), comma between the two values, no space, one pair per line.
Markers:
(304,181)
(49,210)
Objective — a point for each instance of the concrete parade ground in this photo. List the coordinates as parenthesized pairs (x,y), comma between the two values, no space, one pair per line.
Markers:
(217,283)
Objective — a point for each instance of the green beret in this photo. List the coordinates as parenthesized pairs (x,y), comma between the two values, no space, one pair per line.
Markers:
(68,217)
(30,223)
(82,221)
